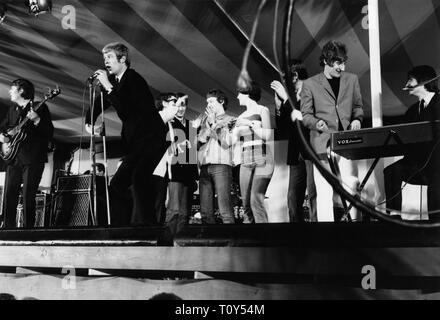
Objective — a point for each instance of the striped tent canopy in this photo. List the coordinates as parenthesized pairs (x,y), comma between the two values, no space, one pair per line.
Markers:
(192,46)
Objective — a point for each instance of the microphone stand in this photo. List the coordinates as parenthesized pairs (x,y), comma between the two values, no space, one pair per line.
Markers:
(92,91)
(104,142)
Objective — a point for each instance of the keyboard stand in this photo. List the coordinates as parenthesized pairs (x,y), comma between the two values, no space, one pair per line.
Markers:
(335,169)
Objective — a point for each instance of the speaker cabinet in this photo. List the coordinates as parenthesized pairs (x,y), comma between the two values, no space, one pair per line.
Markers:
(73,202)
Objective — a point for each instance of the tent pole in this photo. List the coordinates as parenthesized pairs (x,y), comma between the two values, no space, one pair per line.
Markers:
(375,70)
(376,92)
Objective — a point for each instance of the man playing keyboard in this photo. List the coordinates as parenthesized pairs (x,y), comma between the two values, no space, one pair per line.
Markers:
(421,163)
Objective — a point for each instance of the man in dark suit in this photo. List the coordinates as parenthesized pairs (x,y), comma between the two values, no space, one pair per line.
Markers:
(143,135)
(332,101)
(184,170)
(28,165)
(421,164)
(300,168)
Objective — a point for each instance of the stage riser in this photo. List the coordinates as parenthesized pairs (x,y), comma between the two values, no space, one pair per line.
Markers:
(408,262)
(111,288)
(383,281)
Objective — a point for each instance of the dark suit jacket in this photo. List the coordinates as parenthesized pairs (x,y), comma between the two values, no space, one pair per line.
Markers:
(185,172)
(142,125)
(287,129)
(419,154)
(319,103)
(429,113)
(34,148)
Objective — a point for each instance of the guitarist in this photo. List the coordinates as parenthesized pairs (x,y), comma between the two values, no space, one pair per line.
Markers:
(28,164)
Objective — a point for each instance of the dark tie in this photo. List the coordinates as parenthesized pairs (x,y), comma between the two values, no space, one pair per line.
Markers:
(421,107)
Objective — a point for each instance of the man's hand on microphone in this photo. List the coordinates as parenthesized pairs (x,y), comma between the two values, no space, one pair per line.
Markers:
(102,76)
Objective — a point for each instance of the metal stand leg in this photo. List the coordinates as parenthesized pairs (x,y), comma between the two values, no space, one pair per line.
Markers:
(93,157)
(335,169)
(104,142)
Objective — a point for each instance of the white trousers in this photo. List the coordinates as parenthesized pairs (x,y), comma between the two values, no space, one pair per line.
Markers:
(324,191)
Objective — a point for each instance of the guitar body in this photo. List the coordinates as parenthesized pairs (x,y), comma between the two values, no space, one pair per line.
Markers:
(9,150)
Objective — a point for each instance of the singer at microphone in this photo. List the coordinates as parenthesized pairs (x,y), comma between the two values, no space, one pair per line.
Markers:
(96,74)
(143,137)
(103,78)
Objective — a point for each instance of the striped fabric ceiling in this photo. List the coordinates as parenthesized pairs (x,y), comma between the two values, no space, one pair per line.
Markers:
(192,46)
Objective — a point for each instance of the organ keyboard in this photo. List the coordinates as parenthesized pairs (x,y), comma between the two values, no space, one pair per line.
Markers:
(384,141)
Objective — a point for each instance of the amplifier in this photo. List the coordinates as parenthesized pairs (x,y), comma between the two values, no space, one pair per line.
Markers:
(73,201)
(79,183)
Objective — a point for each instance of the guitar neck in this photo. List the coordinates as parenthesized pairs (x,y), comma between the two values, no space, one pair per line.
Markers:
(26,119)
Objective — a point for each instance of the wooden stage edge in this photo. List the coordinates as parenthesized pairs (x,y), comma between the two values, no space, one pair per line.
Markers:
(307,235)
(280,255)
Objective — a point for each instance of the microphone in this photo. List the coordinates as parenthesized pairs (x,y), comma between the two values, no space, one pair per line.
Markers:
(406,88)
(92,77)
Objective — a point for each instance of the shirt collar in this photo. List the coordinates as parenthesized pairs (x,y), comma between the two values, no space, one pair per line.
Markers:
(118,78)
(298,93)
(175,119)
(428,98)
(20,108)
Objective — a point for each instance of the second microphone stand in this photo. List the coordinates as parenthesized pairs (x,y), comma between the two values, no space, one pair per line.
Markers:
(92,93)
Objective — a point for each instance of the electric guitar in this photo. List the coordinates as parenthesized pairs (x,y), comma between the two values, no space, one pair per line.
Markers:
(16,135)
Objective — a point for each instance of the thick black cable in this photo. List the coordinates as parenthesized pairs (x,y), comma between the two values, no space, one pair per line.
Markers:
(236,25)
(275,38)
(244,79)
